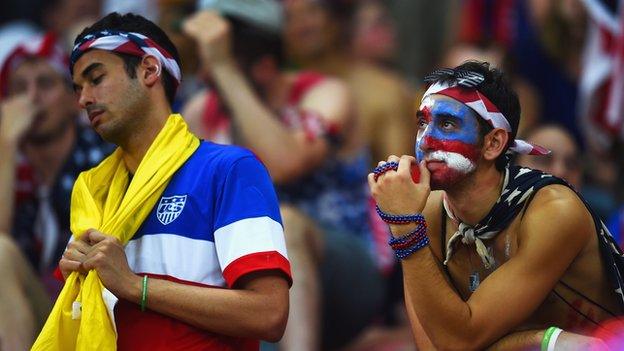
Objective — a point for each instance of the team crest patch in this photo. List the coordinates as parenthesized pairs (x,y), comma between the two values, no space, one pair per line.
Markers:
(169,208)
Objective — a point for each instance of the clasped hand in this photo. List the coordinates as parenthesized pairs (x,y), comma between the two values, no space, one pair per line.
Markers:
(395,192)
(105,254)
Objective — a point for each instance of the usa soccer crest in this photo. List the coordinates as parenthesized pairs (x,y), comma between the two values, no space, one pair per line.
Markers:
(169,208)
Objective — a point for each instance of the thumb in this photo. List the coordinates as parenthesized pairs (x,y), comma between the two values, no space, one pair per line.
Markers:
(93,236)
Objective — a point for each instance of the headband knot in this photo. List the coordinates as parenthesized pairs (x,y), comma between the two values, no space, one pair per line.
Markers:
(463,78)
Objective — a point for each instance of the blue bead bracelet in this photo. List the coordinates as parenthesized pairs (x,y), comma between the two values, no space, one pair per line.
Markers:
(399,219)
(379,170)
(404,253)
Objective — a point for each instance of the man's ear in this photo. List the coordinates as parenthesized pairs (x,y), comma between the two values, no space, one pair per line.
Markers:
(494,143)
(150,70)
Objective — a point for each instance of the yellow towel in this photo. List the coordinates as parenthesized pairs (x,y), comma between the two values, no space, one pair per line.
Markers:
(100,200)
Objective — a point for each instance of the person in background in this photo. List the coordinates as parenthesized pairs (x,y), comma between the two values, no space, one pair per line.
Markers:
(44,149)
(317,37)
(374,35)
(564,160)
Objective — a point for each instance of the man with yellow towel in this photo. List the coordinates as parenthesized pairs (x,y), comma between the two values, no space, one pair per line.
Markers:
(187,235)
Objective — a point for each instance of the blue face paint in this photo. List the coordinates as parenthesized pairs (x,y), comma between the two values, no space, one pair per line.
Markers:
(450,124)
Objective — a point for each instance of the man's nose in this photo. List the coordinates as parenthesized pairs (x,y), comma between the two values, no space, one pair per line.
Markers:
(33,91)
(85,98)
(425,143)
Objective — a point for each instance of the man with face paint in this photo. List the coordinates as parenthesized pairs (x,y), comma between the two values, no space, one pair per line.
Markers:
(495,255)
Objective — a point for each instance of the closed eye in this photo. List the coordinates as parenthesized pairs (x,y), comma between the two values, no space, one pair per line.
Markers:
(97,80)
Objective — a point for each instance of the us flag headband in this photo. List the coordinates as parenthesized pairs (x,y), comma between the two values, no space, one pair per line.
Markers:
(127,43)
(471,97)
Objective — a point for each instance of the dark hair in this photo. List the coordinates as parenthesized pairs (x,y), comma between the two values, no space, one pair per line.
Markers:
(250,43)
(139,24)
(498,90)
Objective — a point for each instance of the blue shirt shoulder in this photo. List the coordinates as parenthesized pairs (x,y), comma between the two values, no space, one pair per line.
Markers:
(218,185)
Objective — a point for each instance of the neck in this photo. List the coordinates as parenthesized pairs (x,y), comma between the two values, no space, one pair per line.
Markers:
(472,201)
(48,158)
(136,145)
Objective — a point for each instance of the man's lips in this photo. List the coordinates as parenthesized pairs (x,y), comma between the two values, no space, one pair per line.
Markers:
(433,165)
(94,114)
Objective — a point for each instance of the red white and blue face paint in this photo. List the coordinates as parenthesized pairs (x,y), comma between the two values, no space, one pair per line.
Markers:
(448,139)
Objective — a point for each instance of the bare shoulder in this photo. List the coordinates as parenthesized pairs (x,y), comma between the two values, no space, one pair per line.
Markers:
(331,98)
(557,213)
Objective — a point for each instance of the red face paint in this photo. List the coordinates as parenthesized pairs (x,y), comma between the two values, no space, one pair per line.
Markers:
(469,151)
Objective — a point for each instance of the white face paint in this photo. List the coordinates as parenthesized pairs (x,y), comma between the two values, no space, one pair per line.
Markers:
(426,102)
(453,160)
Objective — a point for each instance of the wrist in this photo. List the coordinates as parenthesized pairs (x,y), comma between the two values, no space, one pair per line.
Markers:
(549,338)
(133,288)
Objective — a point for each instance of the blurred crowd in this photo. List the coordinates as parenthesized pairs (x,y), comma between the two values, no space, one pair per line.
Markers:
(342,75)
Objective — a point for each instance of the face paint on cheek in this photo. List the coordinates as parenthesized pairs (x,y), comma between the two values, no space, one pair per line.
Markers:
(420,154)
(424,117)
(469,152)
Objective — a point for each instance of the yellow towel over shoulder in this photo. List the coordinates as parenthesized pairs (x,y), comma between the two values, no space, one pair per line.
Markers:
(100,200)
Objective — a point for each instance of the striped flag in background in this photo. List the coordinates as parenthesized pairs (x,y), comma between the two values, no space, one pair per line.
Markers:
(601,88)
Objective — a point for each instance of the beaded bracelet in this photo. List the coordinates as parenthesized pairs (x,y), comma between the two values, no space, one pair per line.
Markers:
(410,238)
(402,254)
(411,242)
(144,294)
(379,170)
(400,219)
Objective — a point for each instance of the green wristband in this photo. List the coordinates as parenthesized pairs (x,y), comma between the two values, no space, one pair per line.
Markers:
(546,339)
(144,294)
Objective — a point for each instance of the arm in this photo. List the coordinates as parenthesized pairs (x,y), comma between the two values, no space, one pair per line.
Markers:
(287,154)
(531,340)
(257,308)
(555,216)
(16,115)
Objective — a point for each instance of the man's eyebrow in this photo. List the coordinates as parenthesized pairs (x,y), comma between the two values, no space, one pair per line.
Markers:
(90,68)
(445,115)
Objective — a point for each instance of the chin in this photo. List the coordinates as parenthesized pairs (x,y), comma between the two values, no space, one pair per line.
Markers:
(447,178)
